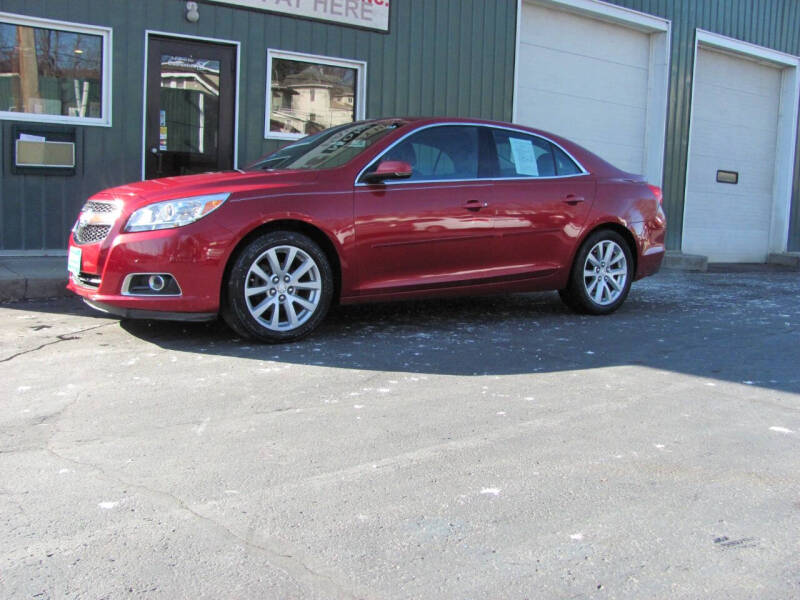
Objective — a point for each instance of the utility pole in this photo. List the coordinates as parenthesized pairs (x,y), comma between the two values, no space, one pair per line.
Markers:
(28,70)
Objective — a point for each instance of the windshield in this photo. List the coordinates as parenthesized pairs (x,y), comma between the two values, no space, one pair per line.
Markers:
(327,149)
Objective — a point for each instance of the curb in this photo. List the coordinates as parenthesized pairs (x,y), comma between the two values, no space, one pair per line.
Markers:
(785,259)
(684,262)
(39,288)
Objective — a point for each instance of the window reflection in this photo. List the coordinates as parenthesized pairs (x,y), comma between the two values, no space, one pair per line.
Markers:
(189,117)
(50,72)
(308,97)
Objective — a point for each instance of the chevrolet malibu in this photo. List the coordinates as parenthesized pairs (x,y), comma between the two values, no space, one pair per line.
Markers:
(368,211)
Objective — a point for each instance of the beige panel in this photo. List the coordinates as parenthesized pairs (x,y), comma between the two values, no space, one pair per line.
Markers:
(45,154)
(587,80)
(735,128)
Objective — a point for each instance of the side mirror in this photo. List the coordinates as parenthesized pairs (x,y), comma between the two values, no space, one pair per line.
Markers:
(389,169)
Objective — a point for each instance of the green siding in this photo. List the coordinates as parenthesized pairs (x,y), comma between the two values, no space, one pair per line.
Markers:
(441,57)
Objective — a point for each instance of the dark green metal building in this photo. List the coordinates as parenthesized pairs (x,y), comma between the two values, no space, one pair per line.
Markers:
(160,87)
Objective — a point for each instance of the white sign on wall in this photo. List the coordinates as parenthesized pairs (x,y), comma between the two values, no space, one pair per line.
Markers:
(372,14)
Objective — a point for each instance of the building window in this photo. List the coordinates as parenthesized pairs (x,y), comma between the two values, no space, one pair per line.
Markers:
(307,93)
(54,72)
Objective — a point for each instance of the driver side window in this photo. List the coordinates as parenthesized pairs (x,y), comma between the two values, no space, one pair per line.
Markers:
(447,152)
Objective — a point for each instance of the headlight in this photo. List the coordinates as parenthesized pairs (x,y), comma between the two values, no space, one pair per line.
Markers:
(174,213)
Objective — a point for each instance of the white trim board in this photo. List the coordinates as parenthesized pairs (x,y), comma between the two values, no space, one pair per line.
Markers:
(238,45)
(106,34)
(786,142)
(660,31)
(610,12)
(360,67)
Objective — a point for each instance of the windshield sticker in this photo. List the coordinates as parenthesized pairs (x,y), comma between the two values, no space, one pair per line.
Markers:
(342,141)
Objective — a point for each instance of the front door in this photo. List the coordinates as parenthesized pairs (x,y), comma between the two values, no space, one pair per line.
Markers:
(190,107)
(434,229)
(415,236)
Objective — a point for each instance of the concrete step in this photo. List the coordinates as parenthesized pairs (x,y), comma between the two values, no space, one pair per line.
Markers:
(676,260)
(32,277)
(785,259)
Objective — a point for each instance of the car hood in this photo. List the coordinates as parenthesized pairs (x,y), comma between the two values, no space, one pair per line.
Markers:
(135,195)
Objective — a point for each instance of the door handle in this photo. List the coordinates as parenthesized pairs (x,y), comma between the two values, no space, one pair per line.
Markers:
(159,158)
(573,200)
(475,205)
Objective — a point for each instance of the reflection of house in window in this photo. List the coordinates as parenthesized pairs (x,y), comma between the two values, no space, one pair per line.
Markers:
(190,102)
(307,97)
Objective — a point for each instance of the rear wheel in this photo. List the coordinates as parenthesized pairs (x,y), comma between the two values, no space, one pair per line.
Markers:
(279,288)
(601,274)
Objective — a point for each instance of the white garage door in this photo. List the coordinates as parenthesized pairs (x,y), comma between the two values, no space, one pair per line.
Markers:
(734,128)
(587,80)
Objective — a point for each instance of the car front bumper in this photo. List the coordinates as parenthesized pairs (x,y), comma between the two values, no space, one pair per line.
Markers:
(194,255)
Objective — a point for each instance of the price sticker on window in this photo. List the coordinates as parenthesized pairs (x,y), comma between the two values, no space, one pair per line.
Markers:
(524,157)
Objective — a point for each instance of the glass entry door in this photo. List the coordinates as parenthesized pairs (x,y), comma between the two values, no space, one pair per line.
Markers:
(190,107)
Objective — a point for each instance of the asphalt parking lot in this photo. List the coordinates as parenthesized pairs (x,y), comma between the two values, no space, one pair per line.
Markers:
(476,448)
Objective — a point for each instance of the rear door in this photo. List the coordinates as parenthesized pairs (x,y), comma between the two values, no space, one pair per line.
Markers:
(541,198)
(433,229)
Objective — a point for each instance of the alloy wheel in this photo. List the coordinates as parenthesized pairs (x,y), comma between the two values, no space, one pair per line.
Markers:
(605,272)
(283,288)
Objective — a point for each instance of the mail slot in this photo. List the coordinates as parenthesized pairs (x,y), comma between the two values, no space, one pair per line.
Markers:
(728,177)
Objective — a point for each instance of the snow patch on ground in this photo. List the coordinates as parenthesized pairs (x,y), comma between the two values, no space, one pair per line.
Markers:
(202,427)
(781,430)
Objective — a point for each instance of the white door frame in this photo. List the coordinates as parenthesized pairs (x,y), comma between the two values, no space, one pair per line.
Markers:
(658,79)
(787,128)
(238,45)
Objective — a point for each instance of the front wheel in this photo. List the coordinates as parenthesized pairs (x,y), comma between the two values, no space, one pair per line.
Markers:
(279,288)
(601,274)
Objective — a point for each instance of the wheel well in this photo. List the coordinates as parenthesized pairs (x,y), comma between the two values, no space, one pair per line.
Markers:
(289,225)
(626,235)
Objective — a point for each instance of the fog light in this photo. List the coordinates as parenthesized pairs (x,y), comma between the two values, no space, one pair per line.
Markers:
(150,284)
(156,283)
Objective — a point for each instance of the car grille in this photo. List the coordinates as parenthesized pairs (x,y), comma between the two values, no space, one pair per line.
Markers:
(99,207)
(87,229)
(88,234)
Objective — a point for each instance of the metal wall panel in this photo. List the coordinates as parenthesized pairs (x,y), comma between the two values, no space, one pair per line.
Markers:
(441,57)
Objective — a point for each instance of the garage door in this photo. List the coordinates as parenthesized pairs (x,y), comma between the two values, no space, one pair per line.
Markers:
(734,128)
(585,79)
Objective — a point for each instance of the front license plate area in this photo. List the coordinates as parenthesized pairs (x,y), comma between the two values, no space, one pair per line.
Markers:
(74,261)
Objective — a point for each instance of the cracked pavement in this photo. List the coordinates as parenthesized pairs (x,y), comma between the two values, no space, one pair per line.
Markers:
(495,447)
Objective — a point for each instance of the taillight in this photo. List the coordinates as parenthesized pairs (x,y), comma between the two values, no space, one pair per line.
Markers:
(657,193)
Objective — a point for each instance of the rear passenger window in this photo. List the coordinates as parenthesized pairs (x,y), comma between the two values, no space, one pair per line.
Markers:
(520,155)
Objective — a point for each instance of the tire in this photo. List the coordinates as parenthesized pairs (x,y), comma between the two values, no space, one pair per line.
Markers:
(601,274)
(279,288)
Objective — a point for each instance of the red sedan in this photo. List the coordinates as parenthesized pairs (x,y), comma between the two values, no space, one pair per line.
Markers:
(372,210)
